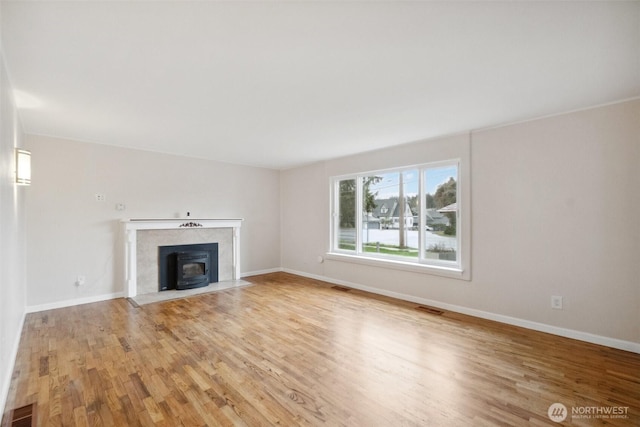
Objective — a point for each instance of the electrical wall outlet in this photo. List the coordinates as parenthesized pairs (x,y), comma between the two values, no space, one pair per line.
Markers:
(80,280)
(556,302)
(101,197)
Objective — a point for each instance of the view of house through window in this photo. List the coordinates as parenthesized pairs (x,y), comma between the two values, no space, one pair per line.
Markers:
(409,214)
(389,226)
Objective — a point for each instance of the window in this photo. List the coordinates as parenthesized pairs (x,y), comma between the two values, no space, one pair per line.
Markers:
(408,215)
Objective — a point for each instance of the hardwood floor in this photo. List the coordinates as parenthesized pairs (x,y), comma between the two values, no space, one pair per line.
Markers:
(295,351)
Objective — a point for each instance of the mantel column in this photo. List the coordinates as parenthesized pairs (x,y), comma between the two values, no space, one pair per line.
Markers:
(131,270)
(236,253)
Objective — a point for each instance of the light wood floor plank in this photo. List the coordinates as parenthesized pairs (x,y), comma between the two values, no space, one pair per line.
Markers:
(294,351)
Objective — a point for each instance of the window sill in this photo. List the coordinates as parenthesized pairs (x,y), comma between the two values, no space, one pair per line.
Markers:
(413,267)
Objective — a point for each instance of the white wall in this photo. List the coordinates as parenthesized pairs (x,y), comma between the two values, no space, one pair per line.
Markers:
(555,209)
(569,213)
(70,233)
(304,217)
(12,237)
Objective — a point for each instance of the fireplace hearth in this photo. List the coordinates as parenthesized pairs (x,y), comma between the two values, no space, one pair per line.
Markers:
(183,267)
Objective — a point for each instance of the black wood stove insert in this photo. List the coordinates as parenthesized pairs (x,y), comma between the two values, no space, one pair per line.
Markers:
(187,266)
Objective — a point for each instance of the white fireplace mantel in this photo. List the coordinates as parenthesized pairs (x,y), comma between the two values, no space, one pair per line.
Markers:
(131,227)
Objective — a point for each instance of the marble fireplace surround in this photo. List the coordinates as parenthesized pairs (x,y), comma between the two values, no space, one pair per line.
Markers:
(143,236)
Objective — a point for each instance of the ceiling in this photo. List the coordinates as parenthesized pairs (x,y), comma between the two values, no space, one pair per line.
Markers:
(281,84)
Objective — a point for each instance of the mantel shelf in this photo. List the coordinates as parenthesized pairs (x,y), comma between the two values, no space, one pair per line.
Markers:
(179,219)
(169,223)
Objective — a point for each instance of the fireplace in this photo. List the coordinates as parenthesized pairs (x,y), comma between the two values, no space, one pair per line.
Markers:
(187,266)
(142,237)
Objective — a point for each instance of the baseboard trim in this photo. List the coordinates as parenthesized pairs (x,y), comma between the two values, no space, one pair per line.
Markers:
(72,302)
(12,363)
(258,272)
(105,297)
(527,324)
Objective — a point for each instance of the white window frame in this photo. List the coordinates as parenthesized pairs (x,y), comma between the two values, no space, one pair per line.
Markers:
(420,264)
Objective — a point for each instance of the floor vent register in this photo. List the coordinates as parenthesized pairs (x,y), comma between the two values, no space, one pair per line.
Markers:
(24,416)
(430,310)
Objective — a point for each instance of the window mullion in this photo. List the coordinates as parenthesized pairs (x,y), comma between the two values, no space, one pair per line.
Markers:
(422,215)
(335,216)
(458,222)
(359,191)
